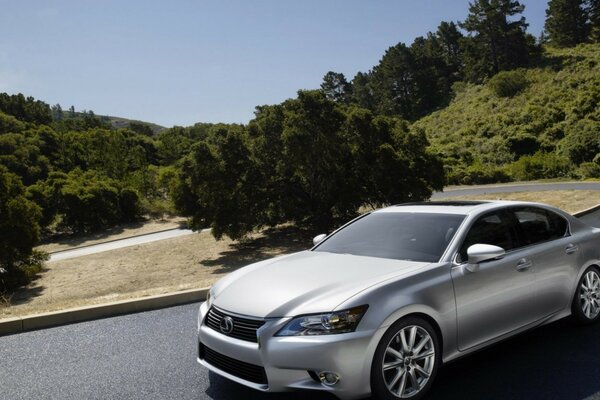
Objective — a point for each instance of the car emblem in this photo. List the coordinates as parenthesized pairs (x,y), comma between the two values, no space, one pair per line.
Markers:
(226,325)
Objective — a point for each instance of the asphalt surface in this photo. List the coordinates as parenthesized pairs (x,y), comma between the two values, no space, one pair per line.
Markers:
(152,355)
(506,188)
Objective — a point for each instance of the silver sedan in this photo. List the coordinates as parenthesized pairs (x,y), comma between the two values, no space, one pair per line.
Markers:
(377,306)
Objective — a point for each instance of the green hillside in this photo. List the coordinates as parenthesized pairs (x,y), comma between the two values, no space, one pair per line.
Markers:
(549,128)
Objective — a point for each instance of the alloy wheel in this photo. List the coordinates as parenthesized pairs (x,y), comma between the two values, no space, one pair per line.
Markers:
(589,295)
(408,362)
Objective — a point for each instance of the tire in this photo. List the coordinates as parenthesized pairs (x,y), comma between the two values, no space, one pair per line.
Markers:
(398,379)
(586,302)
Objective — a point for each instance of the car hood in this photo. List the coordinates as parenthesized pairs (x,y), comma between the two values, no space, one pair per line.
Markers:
(303,283)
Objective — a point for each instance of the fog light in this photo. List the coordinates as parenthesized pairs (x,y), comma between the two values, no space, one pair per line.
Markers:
(329,378)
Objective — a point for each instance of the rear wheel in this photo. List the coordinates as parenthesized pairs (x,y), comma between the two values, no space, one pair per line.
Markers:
(586,304)
(406,360)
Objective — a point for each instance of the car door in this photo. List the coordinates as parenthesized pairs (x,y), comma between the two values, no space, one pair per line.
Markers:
(499,296)
(548,244)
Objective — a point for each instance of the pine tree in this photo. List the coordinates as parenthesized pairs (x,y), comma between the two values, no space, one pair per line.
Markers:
(567,22)
(495,42)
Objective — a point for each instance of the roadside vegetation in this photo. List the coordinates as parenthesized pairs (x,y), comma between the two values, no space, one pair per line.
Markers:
(477,101)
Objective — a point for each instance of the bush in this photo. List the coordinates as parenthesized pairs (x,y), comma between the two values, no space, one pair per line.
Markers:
(582,140)
(508,83)
(19,232)
(85,201)
(477,174)
(540,166)
(589,170)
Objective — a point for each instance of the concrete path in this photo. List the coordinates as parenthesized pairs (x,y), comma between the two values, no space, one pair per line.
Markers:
(118,244)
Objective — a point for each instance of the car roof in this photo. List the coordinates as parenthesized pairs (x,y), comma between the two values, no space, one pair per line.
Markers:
(455,207)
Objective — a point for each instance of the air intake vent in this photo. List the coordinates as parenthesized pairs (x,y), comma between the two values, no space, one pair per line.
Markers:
(248,372)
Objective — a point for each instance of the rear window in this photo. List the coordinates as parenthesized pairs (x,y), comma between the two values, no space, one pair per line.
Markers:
(401,236)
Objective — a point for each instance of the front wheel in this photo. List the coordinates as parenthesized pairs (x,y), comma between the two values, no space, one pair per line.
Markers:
(586,304)
(406,360)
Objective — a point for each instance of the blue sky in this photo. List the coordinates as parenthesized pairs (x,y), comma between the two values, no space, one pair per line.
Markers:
(180,62)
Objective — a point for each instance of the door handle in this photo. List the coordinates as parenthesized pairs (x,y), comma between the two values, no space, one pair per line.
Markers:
(571,248)
(524,264)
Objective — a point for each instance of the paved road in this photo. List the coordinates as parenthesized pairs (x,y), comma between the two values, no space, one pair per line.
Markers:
(118,244)
(505,188)
(151,355)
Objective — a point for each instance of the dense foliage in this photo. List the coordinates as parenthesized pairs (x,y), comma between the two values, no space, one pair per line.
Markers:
(19,232)
(546,129)
(307,160)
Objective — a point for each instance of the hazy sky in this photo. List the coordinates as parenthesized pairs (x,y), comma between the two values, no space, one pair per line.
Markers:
(180,62)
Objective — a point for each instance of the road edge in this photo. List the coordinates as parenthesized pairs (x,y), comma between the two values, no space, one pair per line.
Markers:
(87,313)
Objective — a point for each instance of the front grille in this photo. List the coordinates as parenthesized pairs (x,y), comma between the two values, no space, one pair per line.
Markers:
(243,370)
(243,328)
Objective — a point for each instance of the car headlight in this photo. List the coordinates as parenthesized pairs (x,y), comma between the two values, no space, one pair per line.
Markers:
(324,324)
(209,298)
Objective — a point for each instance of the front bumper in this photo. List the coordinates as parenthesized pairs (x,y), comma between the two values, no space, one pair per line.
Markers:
(288,360)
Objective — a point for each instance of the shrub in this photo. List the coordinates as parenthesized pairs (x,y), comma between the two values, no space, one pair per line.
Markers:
(582,140)
(508,83)
(589,170)
(540,166)
(19,232)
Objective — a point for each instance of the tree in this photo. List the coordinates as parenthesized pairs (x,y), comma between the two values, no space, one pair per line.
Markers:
(218,185)
(57,112)
(336,87)
(495,42)
(309,161)
(394,82)
(449,40)
(19,232)
(594,14)
(567,22)
(25,108)
(362,90)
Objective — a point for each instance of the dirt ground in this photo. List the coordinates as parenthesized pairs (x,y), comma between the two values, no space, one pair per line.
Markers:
(165,266)
(568,200)
(185,262)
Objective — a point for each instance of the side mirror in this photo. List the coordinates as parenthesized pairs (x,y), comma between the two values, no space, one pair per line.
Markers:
(482,252)
(319,238)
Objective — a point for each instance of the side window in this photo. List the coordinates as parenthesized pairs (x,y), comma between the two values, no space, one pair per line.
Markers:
(495,229)
(538,225)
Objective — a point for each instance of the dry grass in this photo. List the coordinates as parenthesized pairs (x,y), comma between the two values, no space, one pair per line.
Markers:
(187,262)
(568,200)
(68,242)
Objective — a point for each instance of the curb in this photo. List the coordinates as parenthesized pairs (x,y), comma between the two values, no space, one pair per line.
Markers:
(87,313)
(586,211)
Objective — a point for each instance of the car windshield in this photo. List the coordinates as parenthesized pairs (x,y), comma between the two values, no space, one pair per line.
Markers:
(396,235)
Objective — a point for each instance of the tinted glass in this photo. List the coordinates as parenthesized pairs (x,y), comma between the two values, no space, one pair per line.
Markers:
(539,225)
(401,236)
(495,229)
